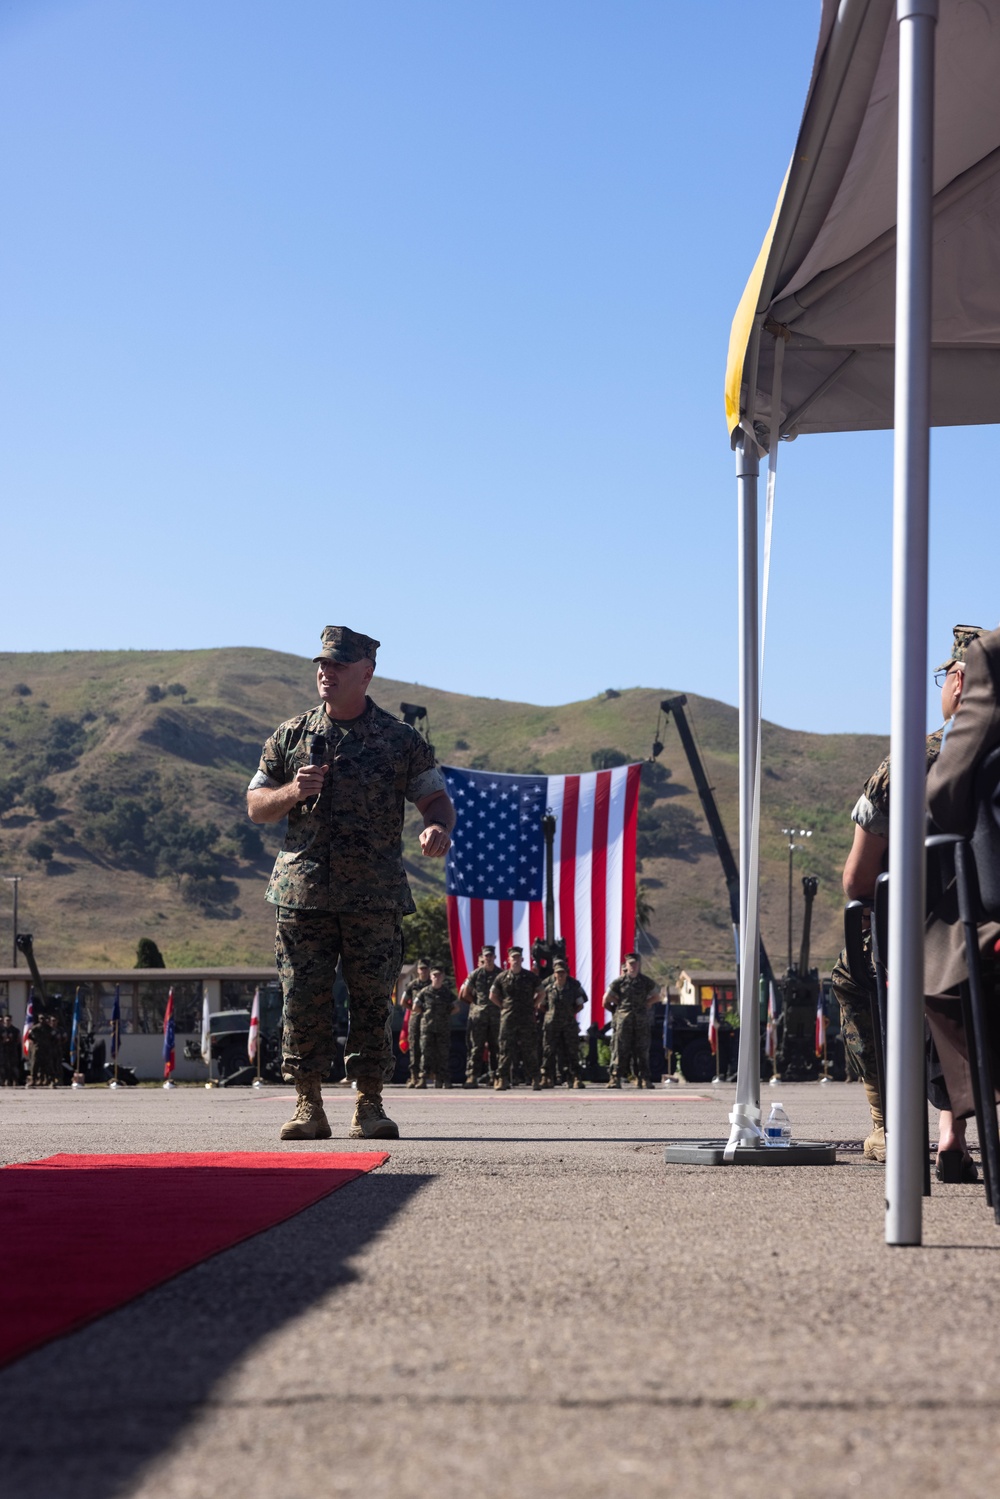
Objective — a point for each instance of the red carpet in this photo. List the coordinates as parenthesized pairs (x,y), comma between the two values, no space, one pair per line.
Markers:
(83,1234)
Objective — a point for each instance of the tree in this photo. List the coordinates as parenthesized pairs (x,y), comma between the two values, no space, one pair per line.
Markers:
(425,933)
(40,850)
(607,759)
(43,799)
(148,955)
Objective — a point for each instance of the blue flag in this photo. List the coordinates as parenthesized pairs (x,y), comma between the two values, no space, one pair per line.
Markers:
(74,1034)
(116,1021)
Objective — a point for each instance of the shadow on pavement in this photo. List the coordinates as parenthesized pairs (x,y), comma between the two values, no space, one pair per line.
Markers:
(99,1405)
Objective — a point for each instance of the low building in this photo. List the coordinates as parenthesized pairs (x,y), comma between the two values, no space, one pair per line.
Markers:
(142,998)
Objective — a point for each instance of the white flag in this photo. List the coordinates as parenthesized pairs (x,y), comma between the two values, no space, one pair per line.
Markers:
(254,1026)
(206,1032)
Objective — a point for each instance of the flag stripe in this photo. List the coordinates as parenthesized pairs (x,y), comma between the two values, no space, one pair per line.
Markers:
(584,969)
(506,913)
(476,933)
(629,831)
(598,882)
(459,953)
(566,909)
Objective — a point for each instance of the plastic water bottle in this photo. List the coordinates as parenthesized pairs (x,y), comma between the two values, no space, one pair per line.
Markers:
(778,1129)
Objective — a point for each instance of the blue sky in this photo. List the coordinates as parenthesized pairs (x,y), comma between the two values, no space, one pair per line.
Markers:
(413,316)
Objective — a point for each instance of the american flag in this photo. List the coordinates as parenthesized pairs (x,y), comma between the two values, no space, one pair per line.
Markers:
(495,876)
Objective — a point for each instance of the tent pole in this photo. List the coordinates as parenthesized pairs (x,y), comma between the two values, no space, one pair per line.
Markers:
(911,473)
(748,1073)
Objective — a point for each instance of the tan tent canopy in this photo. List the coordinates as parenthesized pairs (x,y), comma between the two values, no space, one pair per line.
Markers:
(874,303)
(826,275)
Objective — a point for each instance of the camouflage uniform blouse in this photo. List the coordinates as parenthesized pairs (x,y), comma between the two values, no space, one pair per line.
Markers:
(436,1003)
(480,982)
(630,994)
(562,1003)
(517,991)
(347,853)
(871,811)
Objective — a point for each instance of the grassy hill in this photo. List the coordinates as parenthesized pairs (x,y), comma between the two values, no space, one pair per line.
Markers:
(122,801)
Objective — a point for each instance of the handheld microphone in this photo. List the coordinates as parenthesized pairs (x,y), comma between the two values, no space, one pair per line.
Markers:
(317,756)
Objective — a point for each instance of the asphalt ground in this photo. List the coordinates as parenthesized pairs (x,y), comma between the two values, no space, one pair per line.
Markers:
(525,1300)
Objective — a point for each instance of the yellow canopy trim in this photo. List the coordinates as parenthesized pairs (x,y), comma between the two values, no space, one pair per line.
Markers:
(739,334)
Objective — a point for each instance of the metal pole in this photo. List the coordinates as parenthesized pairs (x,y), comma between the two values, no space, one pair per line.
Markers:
(748,1076)
(911,465)
(791,859)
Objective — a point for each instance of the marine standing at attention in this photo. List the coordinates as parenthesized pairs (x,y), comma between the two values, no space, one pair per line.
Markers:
(483,1032)
(438,1003)
(411,1003)
(515,991)
(629,998)
(341,774)
(564,997)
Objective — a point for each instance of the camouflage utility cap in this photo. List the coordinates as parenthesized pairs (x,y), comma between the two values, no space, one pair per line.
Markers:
(561,963)
(346,646)
(964,636)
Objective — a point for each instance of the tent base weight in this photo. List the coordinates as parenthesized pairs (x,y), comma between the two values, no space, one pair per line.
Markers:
(713,1153)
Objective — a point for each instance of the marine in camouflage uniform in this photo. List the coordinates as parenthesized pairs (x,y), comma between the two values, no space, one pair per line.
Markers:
(516,990)
(438,1002)
(560,1031)
(10,1053)
(871,814)
(629,998)
(483,1029)
(41,1053)
(410,1001)
(339,884)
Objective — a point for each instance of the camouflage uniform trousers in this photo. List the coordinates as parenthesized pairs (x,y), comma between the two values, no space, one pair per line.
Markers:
(518,1043)
(435,1048)
(307,945)
(483,1033)
(858,1027)
(630,1047)
(560,1044)
(413,1039)
(10,1063)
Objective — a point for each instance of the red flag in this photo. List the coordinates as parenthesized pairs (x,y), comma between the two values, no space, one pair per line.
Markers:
(254,1035)
(713,1028)
(29,1020)
(820,1027)
(404,1035)
(168,1036)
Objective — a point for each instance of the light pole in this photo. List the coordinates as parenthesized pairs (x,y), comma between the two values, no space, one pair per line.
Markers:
(791,834)
(15,880)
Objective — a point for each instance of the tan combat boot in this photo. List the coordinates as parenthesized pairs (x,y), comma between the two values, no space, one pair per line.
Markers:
(875,1143)
(309,1122)
(371,1122)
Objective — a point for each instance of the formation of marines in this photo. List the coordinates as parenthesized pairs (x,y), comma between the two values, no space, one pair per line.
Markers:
(523,1024)
(41,1053)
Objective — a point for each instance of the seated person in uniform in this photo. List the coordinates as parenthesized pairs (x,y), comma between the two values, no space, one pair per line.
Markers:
(972,733)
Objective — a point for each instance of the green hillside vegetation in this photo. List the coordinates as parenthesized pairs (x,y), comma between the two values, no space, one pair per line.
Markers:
(122,801)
